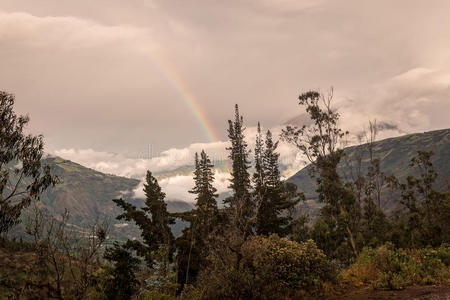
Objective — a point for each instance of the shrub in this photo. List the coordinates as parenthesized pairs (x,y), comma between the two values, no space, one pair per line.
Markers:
(273,268)
(388,268)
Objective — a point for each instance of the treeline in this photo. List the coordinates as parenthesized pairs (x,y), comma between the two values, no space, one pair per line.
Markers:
(352,216)
(257,246)
(254,248)
(211,248)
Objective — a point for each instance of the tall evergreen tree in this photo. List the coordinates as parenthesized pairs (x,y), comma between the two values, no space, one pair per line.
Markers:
(276,199)
(206,204)
(241,203)
(154,222)
(124,282)
(259,175)
(193,244)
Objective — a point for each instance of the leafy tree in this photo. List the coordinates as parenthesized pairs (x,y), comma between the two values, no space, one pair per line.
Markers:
(426,209)
(300,229)
(370,222)
(276,199)
(321,144)
(64,255)
(154,221)
(241,204)
(22,176)
(124,282)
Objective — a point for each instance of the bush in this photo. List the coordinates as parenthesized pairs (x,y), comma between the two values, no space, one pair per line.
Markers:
(393,269)
(273,268)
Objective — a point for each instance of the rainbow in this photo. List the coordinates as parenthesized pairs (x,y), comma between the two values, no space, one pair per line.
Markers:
(186,93)
(189,98)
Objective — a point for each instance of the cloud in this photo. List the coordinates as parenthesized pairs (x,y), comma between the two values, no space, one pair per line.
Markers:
(90,82)
(173,167)
(121,165)
(287,6)
(177,187)
(168,160)
(68,33)
(175,182)
(68,70)
(412,101)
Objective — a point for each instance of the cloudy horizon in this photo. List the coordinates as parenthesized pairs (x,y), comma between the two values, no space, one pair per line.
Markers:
(110,83)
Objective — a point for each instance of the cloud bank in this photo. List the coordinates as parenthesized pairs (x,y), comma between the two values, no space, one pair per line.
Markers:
(93,83)
(91,79)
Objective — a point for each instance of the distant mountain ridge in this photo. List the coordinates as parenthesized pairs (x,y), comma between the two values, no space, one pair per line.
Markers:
(395,155)
(87,194)
(83,191)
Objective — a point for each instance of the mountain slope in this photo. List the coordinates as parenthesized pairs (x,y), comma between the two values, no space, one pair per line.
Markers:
(87,195)
(394,154)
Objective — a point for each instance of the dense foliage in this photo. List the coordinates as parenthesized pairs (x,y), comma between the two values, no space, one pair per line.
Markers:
(123,283)
(387,267)
(22,177)
(271,268)
(153,220)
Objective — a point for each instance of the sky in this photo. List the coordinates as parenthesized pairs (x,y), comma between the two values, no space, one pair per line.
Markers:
(108,82)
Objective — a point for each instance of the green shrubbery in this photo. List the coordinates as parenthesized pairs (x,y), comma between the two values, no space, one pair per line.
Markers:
(273,268)
(389,268)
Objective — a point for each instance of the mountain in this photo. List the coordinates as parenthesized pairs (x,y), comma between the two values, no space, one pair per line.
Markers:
(87,195)
(395,154)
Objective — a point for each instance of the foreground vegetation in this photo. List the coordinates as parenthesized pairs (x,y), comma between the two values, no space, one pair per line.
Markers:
(389,268)
(254,247)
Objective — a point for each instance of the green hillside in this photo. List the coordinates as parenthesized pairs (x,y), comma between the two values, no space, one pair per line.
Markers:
(395,155)
(87,195)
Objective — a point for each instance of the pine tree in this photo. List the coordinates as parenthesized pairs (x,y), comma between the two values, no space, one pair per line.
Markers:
(241,204)
(259,175)
(206,204)
(124,282)
(270,163)
(277,199)
(154,222)
(193,244)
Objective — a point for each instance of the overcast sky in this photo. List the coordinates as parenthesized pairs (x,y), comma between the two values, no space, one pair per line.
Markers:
(93,74)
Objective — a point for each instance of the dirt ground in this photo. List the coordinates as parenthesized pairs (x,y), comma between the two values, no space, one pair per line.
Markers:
(422,292)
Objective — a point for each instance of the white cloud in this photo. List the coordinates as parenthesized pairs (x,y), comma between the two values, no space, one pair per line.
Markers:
(290,5)
(176,184)
(121,165)
(415,100)
(177,187)
(70,33)
(89,79)
(70,63)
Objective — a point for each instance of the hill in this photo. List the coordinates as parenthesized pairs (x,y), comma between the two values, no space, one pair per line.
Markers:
(394,154)
(87,195)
